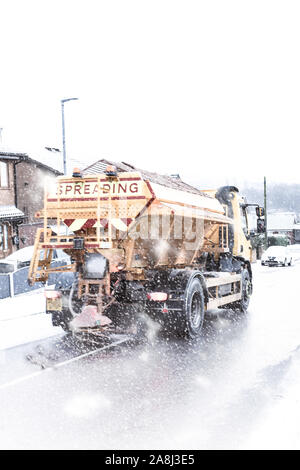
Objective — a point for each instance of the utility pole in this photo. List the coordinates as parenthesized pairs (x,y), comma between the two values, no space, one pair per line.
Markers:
(265,210)
(63,130)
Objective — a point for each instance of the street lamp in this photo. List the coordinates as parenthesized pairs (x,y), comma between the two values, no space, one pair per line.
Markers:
(63,129)
(265,210)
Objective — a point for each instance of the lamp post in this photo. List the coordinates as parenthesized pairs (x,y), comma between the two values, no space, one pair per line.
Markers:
(265,210)
(63,129)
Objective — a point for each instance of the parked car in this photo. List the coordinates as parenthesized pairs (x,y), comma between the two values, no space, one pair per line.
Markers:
(21,259)
(14,271)
(277,256)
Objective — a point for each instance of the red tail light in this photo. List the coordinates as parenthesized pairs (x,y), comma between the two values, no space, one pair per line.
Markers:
(157,296)
(52,294)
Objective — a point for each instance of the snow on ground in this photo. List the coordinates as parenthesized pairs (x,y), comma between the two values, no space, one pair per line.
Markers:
(23,319)
(278,427)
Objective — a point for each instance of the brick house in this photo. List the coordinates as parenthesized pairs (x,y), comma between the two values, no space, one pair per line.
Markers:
(10,215)
(22,181)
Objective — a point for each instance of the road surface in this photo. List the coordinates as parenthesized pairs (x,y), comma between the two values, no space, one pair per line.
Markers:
(236,387)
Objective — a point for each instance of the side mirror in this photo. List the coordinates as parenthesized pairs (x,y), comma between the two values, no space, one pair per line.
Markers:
(260,212)
(260,225)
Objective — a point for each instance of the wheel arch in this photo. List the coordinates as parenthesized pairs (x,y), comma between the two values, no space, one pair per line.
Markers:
(182,278)
(245,263)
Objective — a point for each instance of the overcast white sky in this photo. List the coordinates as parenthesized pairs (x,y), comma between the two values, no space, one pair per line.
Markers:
(208,89)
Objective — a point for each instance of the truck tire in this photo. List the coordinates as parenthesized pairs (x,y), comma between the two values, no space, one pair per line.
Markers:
(193,309)
(242,305)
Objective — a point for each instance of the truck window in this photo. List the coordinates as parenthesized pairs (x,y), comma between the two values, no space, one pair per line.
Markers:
(244,219)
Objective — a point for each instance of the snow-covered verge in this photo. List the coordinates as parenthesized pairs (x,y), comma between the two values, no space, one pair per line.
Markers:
(23,319)
(295,251)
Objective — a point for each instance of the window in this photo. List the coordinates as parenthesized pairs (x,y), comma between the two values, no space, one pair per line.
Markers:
(244,219)
(3,175)
(3,238)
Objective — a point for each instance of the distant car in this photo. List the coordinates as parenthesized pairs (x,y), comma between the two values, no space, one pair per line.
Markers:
(21,259)
(277,256)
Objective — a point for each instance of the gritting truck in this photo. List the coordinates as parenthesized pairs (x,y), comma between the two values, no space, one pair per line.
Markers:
(141,246)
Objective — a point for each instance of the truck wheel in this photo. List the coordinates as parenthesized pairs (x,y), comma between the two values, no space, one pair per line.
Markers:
(193,309)
(242,305)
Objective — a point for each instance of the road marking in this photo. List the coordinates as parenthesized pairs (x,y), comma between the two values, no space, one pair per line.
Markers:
(60,364)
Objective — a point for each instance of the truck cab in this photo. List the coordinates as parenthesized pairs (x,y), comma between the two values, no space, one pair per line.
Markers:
(235,207)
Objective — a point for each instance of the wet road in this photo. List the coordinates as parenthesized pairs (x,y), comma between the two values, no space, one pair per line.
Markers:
(237,386)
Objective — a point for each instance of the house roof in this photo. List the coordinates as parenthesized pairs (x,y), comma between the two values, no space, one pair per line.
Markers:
(42,165)
(10,212)
(6,154)
(281,221)
(170,181)
(50,158)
